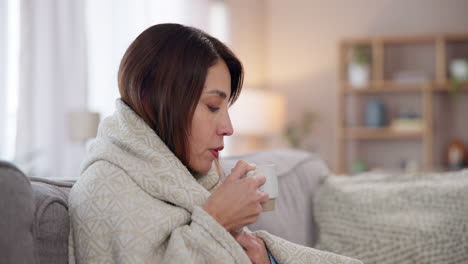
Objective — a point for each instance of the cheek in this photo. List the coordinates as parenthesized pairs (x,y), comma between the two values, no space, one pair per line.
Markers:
(198,131)
(203,125)
(200,139)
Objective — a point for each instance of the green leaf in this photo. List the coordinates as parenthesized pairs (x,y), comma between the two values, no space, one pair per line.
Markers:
(361,54)
(455,88)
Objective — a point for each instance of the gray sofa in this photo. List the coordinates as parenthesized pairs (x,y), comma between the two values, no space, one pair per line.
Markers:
(34,220)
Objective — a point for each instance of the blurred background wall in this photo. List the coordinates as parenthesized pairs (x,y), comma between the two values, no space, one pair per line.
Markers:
(289,50)
(296,42)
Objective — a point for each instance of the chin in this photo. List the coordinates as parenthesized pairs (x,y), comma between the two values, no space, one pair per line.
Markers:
(205,169)
(202,167)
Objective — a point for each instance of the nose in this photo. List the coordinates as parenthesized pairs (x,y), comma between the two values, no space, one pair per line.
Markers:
(225,126)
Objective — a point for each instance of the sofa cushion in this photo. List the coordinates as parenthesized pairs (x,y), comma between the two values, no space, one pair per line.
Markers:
(299,175)
(17,216)
(51,225)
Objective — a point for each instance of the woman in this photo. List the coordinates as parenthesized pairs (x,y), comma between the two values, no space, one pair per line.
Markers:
(148,191)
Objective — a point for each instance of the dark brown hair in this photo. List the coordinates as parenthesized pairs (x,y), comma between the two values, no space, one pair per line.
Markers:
(162,74)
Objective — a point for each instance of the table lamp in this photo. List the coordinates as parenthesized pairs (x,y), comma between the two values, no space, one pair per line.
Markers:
(83,125)
(255,116)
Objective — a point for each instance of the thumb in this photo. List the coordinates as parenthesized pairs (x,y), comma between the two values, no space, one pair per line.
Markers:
(240,170)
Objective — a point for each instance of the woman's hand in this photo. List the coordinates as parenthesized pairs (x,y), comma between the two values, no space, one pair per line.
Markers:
(254,247)
(237,202)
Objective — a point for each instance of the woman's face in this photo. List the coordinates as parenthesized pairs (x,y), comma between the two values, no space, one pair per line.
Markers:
(211,120)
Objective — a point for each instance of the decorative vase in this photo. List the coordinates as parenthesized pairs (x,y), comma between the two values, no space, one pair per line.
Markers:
(455,155)
(375,113)
(358,75)
(459,69)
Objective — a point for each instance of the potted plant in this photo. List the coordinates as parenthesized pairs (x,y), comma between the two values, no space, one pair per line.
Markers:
(459,74)
(359,66)
(297,132)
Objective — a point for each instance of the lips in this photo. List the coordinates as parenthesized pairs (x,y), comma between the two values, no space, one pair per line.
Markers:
(216,151)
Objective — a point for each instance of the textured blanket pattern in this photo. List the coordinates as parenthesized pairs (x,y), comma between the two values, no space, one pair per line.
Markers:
(136,203)
(385,218)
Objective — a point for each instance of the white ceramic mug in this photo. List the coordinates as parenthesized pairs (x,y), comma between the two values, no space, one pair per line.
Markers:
(270,186)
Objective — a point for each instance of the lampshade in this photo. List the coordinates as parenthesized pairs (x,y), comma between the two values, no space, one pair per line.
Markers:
(83,125)
(258,113)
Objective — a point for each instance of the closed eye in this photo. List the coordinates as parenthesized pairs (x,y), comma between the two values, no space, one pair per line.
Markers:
(213,108)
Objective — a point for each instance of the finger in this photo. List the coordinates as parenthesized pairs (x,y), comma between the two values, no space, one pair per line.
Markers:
(255,242)
(253,217)
(240,170)
(260,241)
(239,237)
(264,197)
(260,179)
(236,236)
(245,241)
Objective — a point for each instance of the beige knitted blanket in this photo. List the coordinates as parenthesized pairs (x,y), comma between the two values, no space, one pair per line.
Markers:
(388,218)
(136,203)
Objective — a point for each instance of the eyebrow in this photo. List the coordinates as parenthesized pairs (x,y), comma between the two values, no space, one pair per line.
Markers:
(218,92)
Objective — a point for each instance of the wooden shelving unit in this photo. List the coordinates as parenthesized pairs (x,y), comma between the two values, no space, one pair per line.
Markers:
(379,133)
(446,87)
(381,85)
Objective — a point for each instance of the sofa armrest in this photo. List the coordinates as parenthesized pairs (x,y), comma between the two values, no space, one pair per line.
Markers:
(16,216)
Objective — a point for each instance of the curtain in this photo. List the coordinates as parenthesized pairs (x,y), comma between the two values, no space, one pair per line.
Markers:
(113,24)
(70,53)
(9,60)
(53,79)
(3,81)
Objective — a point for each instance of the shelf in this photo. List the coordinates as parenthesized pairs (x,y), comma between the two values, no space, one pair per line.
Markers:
(379,133)
(430,54)
(371,90)
(384,87)
(408,39)
(391,87)
(446,87)
(457,37)
(357,41)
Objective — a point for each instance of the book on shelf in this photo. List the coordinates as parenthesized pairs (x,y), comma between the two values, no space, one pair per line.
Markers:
(407,125)
(411,78)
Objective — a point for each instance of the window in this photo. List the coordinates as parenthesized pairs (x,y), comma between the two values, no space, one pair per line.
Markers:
(113,25)
(9,75)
